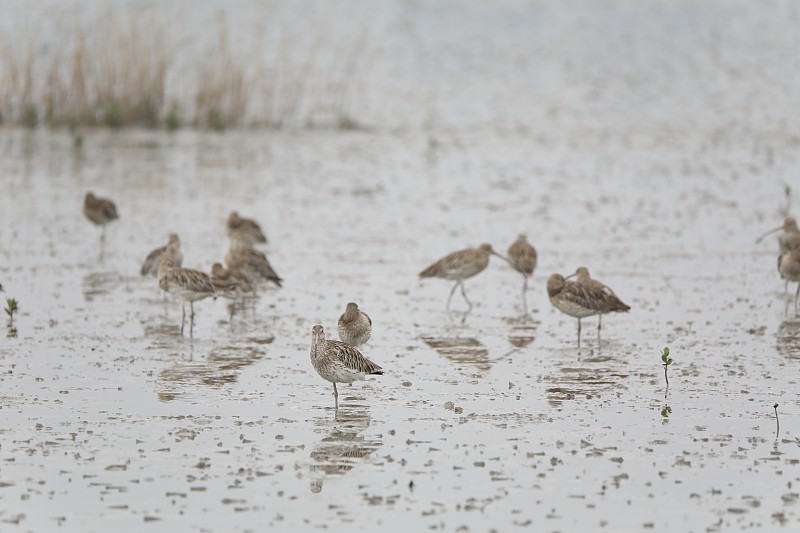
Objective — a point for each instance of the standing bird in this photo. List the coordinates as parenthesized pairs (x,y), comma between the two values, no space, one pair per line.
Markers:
(250,262)
(170,251)
(789,268)
(234,278)
(459,266)
(614,304)
(355,326)
(189,286)
(338,362)
(99,211)
(522,256)
(788,240)
(580,301)
(244,229)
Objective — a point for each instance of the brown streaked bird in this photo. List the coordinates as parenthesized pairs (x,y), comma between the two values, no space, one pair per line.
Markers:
(355,326)
(189,286)
(522,256)
(170,251)
(338,362)
(459,266)
(100,211)
(250,262)
(789,268)
(580,301)
(614,304)
(788,240)
(239,281)
(245,229)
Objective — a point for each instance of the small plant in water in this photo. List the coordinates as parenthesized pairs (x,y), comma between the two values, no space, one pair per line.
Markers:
(666,361)
(11,308)
(665,412)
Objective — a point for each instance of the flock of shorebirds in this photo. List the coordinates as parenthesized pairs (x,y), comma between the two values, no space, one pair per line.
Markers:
(341,361)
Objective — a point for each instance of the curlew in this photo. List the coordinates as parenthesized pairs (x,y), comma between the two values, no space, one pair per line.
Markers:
(100,211)
(459,266)
(170,251)
(245,229)
(787,241)
(614,304)
(338,362)
(250,262)
(580,301)
(188,285)
(522,256)
(789,268)
(355,326)
(238,281)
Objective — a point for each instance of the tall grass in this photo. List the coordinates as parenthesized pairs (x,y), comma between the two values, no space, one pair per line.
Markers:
(123,67)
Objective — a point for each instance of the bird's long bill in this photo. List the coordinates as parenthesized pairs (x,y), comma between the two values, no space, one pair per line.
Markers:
(504,258)
(773,230)
(571,275)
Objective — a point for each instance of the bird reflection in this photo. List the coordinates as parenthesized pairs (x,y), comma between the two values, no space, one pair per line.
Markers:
(99,283)
(523,331)
(586,378)
(345,446)
(464,350)
(222,366)
(788,338)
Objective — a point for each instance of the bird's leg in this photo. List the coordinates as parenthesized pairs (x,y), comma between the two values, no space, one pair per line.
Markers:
(795,298)
(579,333)
(524,295)
(191,306)
(786,288)
(336,396)
(464,294)
(453,290)
(183,316)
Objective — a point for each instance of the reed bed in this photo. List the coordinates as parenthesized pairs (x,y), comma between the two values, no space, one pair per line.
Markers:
(125,67)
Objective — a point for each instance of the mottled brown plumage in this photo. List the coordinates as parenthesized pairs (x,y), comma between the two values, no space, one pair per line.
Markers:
(99,211)
(170,251)
(188,285)
(250,262)
(244,229)
(580,301)
(789,239)
(459,266)
(234,278)
(611,302)
(522,256)
(338,362)
(355,326)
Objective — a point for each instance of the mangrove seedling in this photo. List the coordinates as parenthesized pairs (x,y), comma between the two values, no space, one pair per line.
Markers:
(11,308)
(666,360)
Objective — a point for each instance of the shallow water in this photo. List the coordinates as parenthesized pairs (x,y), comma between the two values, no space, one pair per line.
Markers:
(490,420)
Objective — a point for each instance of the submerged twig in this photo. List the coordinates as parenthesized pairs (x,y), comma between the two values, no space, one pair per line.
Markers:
(777,420)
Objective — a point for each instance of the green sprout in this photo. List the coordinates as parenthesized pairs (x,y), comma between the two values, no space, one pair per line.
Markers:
(665,412)
(666,360)
(11,309)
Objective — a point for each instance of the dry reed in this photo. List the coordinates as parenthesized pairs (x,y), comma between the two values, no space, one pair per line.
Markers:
(121,69)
